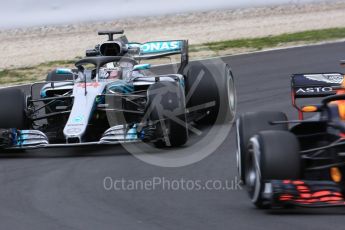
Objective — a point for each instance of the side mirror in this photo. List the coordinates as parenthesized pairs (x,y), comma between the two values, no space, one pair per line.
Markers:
(141,67)
(92,53)
(63,71)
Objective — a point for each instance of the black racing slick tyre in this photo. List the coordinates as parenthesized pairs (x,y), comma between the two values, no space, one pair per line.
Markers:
(248,125)
(211,92)
(272,155)
(56,75)
(12,109)
(167,109)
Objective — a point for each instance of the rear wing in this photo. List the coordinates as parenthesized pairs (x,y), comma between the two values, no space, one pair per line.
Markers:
(158,49)
(314,85)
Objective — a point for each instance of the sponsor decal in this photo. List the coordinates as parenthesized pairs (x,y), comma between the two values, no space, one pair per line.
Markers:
(313,90)
(78,119)
(333,78)
(89,84)
(160,47)
(72,131)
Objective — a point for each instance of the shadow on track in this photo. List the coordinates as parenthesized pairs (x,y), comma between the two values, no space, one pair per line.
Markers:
(84,151)
(308,211)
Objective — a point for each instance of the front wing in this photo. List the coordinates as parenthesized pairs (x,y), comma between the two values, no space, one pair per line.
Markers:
(310,194)
(12,139)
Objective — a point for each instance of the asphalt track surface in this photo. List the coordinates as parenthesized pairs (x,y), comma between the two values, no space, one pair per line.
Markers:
(63,189)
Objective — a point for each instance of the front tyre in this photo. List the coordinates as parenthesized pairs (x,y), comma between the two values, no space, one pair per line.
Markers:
(12,109)
(250,124)
(272,155)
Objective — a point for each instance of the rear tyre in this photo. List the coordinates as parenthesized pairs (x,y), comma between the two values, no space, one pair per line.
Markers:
(210,85)
(272,155)
(12,109)
(167,108)
(250,124)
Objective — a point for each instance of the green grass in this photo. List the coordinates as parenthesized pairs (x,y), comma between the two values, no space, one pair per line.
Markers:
(32,73)
(311,36)
(39,72)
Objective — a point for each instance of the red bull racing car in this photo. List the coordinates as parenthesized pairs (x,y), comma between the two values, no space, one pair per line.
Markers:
(300,162)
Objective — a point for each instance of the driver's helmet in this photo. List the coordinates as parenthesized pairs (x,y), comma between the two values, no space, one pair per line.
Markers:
(114,73)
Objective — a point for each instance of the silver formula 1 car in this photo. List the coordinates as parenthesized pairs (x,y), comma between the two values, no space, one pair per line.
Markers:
(112,97)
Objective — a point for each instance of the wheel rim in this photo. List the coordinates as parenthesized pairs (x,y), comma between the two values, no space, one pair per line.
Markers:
(231,92)
(238,153)
(253,172)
